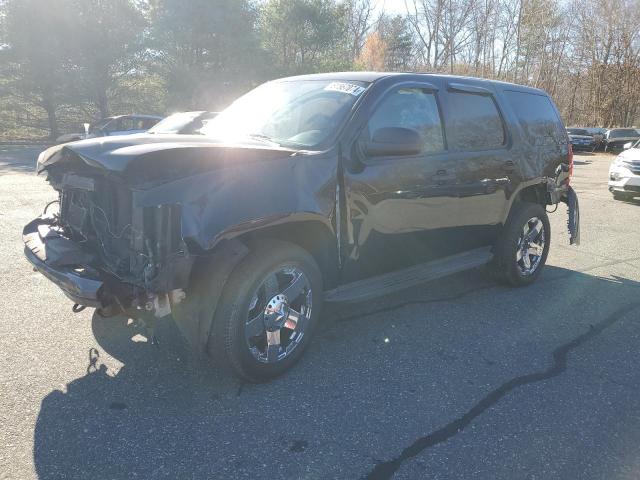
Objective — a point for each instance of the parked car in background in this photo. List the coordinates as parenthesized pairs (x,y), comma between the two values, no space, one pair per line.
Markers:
(598,136)
(184,123)
(581,140)
(110,126)
(319,188)
(624,173)
(615,138)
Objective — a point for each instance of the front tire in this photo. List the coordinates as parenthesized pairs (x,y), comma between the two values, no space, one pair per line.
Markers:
(521,251)
(268,311)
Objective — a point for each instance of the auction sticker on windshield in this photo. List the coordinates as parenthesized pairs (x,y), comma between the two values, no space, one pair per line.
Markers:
(344,87)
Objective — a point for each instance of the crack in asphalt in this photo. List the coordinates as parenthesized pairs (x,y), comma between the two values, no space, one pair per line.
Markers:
(386,470)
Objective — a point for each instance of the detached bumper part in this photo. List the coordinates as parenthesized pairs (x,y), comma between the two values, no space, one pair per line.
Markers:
(60,260)
(573,223)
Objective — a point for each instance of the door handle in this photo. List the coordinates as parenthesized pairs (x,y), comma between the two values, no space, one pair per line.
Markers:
(443,178)
(508,166)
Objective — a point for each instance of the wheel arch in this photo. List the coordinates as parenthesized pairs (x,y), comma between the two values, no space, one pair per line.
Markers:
(534,192)
(312,235)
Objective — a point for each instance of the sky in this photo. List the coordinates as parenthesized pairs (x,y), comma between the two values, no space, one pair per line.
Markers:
(391,6)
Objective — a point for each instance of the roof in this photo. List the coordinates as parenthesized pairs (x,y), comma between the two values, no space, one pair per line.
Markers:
(154,117)
(373,76)
(357,76)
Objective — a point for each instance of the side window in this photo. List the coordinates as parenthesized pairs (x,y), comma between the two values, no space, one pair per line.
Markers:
(112,125)
(148,123)
(127,123)
(473,122)
(537,117)
(412,108)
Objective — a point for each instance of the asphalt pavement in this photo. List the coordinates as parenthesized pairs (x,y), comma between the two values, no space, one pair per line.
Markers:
(461,378)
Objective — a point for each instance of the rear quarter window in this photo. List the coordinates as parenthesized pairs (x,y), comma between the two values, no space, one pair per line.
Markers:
(537,117)
(473,122)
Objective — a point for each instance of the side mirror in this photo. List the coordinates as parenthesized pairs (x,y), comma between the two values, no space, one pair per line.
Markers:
(394,141)
(627,145)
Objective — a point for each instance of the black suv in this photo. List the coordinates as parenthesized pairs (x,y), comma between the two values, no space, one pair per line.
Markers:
(311,189)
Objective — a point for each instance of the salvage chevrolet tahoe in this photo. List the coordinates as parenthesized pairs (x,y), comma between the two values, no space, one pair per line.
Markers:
(307,190)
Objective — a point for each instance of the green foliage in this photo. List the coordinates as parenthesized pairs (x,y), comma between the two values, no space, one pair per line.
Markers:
(207,50)
(104,42)
(35,61)
(303,35)
(65,62)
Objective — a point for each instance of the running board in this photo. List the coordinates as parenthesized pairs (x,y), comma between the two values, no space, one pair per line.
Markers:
(409,277)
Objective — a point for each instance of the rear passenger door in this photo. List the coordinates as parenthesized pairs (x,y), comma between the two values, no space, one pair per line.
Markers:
(480,145)
(545,143)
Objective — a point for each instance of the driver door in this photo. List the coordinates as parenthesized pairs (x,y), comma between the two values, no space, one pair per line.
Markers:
(400,208)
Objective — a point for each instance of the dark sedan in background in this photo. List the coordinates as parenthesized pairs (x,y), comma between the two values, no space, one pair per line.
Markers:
(581,140)
(616,138)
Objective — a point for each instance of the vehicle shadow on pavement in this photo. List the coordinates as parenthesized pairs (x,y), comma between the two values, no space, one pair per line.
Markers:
(399,367)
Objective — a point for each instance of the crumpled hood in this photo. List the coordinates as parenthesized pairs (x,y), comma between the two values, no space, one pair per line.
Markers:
(144,154)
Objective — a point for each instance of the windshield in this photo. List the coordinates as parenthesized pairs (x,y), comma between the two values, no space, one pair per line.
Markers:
(175,123)
(577,131)
(100,124)
(298,114)
(626,132)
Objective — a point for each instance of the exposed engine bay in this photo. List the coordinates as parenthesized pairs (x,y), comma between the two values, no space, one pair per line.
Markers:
(108,238)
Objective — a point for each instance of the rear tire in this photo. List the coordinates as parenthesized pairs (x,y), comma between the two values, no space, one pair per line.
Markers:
(255,289)
(521,252)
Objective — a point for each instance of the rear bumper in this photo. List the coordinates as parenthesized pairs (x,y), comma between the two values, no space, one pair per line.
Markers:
(65,263)
(617,144)
(573,222)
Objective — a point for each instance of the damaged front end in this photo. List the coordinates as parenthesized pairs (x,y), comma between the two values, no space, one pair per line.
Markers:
(102,249)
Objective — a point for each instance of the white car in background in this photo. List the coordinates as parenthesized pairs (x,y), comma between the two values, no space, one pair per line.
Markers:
(624,173)
(111,126)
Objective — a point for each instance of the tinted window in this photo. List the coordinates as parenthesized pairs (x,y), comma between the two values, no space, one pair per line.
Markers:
(577,131)
(537,118)
(412,108)
(127,123)
(474,122)
(148,123)
(621,133)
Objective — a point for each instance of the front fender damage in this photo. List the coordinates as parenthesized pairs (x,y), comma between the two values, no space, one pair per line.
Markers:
(194,314)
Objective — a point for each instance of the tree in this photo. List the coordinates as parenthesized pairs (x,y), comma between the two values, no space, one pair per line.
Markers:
(398,37)
(300,34)
(359,16)
(373,54)
(207,50)
(104,41)
(35,58)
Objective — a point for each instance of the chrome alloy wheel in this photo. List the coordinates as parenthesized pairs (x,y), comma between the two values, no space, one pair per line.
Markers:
(530,246)
(278,314)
